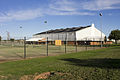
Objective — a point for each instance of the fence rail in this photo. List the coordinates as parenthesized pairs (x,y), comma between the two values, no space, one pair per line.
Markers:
(21,49)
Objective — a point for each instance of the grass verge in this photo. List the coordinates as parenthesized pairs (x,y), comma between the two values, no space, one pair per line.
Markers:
(102,64)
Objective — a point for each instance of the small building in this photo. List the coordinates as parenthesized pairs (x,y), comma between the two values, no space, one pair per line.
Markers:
(82,35)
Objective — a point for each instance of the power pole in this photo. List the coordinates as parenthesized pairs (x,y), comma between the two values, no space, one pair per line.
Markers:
(101,28)
(8,35)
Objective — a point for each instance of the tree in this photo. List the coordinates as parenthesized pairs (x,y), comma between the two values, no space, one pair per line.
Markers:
(0,39)
(105,39)
(12,40)
(115,35)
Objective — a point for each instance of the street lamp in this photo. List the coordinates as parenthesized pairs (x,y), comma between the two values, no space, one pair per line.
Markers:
(46,30)
(20,32)
(47,39)
(101,28)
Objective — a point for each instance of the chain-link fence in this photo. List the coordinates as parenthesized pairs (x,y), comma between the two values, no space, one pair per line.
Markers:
(15,49)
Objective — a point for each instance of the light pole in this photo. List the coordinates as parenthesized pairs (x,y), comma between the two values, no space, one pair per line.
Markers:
(46,32)
(46,39)
(21,35)
(8,35)
(20,32)
(101,27)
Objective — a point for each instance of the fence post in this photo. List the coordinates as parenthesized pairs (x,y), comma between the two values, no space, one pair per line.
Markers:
(93,43)
(58,36)
(76,45)
(86,44)
(47,46)
(65,45)
(24,47)
(65,42)
(75,40)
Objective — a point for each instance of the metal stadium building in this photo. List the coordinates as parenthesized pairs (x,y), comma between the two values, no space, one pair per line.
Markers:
(82,34)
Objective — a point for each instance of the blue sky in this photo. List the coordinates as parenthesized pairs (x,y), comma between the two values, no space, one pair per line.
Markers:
(31,14)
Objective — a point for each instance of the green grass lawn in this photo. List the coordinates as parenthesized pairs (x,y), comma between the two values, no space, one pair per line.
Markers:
(102,64)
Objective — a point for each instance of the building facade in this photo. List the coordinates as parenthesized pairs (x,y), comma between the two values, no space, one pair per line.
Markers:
(71,35)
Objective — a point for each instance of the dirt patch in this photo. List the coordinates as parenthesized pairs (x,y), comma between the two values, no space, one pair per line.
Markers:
(27,77)
(17,59)
(8,60)
(44,75)
(3,77)
(1,61)
(1,57)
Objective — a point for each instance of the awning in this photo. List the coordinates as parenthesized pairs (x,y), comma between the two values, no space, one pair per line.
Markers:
(36,39)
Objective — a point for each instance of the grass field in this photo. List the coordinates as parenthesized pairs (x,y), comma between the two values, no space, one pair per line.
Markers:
(9,52)
(102,64)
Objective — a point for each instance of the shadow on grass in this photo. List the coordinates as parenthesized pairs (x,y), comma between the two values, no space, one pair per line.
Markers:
(100,63)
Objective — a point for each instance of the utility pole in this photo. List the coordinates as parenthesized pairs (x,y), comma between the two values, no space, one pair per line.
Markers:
(24,47)
(101,27)
(46,39)
(65,42)
(8,35)
(20,32)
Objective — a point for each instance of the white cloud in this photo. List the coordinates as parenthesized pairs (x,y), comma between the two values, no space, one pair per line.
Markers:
(63,5)
(109,14)
(100,5)
(59,7)
(21,15)
(1,25)
(31,14)
(68,13)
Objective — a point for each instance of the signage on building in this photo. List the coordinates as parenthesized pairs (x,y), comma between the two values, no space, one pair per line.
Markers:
(58,42)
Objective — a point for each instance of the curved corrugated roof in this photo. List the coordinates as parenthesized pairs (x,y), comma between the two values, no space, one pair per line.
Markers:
(63,30)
